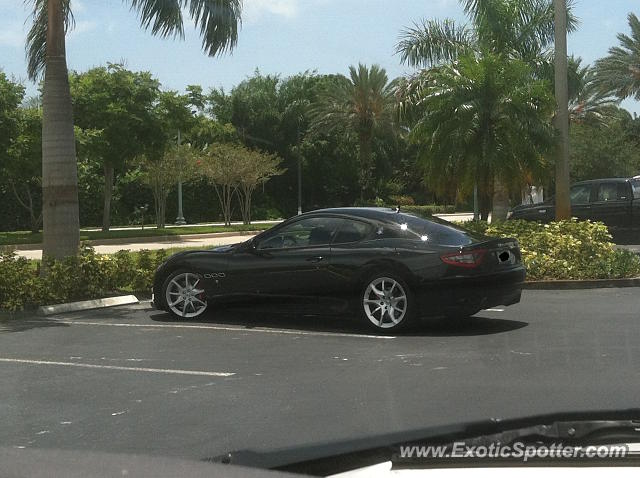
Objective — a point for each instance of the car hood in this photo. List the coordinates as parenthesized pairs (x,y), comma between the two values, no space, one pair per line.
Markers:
(524,207)
(369,450)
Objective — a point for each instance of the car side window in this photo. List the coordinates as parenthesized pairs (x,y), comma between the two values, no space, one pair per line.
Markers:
(313,231)
(611,192)
(352,231)
(580,194)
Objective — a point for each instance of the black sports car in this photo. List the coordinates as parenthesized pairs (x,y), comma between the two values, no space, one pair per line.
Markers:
(386,265)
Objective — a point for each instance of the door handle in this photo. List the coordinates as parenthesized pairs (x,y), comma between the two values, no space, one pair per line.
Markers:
(315,259)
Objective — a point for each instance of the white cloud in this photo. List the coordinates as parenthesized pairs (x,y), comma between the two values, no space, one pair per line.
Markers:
(254,10)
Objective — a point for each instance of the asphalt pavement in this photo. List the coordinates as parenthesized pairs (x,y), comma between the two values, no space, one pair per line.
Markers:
(132,380)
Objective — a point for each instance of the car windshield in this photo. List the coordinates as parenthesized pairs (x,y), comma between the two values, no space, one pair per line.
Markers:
(261,232)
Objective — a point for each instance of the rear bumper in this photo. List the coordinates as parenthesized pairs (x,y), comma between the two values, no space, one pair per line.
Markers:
(471,294)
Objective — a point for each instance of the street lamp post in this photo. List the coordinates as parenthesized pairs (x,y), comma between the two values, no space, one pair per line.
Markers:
(299,173)
(180,219)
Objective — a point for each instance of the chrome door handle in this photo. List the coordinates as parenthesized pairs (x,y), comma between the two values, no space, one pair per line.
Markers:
(315,259)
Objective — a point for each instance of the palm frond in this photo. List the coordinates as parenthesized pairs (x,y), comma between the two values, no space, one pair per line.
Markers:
(216,20)
(163,17)
(619,72)
(36,44)
(432,41)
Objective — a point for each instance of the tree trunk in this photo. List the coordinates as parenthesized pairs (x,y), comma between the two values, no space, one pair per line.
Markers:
(34,220)
(500,202)
(61,222)
(108,194)
(366,168)
(561,120)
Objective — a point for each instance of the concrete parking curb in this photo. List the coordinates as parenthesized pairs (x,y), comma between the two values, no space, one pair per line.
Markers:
(581,284)
(46,310)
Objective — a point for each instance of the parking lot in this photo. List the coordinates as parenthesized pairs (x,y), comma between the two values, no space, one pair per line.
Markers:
(131,380)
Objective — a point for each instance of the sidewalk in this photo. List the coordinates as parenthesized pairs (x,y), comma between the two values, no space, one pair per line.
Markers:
(176,226)
(191,240)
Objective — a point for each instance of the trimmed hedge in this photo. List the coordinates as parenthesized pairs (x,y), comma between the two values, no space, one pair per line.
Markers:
(565,249)
(87,276)
(428,209)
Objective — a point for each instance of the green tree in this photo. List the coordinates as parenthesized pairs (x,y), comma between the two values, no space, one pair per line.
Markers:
(273,114)
(254,168)
(362,105)
(11,95)
(618,73)
(23,170)
(161,174)
(603,148)
(217,21)
(522,30)
(117,104)
(483,120)
(219,167)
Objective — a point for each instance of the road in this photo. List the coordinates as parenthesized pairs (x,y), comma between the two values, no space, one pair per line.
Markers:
(131,380)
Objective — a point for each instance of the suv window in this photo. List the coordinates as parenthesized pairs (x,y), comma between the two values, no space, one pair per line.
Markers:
(352,231)
(580,194)
(612,192)
(313,231)
(635,184)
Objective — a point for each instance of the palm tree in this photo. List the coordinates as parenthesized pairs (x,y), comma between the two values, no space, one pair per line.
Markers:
(217,21)
(361,105)
(513,29)
(561,119)
(482,120)
(618,73)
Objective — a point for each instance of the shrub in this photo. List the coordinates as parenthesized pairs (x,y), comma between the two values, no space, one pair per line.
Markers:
(87,276)
(428,210)
(401,200)
(565,249)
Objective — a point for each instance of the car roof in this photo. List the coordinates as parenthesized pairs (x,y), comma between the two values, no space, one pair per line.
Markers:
(382,213)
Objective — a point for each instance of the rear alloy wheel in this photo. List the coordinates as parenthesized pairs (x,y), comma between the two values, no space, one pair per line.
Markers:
(184,295)
(386,303)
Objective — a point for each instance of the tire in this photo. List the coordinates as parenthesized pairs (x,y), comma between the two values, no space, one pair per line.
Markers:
(181,296)
(386,303)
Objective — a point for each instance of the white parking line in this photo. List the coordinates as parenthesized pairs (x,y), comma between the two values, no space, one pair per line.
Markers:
(115,367)
(227,328)
(494,310)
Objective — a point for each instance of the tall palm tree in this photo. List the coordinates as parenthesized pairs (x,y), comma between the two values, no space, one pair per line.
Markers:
(362,105)
(515,29)
(217,21)
(618,73)
(483,120)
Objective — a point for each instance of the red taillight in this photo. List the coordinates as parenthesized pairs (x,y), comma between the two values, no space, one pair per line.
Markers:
(468,259)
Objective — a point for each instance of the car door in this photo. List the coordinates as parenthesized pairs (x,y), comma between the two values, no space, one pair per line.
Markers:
(291,261)
(352,247)
(580,196)
(611,204)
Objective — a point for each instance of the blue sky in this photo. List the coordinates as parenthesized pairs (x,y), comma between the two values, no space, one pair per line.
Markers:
(278,36)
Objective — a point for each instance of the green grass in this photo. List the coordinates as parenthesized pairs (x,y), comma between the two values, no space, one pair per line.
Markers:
(26,237)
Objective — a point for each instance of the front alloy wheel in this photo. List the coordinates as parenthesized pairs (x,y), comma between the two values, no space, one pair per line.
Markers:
(385,303)
(184,295)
